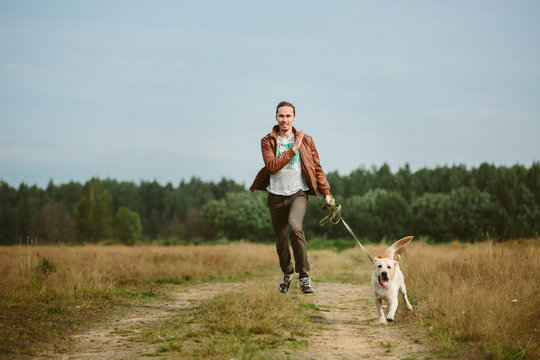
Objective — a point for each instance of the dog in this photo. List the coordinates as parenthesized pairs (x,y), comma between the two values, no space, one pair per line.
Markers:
(387,279)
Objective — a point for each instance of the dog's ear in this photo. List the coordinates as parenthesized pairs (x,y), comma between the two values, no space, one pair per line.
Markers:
(398,259)
(400,251)
(389,253)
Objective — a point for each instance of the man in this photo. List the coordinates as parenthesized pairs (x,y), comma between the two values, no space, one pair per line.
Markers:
(292,171)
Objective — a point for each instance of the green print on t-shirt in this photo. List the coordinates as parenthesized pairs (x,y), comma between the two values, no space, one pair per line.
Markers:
(294,164)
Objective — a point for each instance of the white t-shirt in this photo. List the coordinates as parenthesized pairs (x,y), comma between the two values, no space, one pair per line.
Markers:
(290,179)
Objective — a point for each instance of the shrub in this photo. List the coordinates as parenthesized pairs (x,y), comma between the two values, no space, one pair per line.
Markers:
(128,225)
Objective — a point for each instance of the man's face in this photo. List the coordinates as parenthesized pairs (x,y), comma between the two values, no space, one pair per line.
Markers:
(285,117)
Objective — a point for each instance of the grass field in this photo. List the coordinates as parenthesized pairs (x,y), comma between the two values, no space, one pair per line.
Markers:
(476,301)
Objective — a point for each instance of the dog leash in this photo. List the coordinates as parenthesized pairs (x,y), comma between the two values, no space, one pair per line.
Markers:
(335,217)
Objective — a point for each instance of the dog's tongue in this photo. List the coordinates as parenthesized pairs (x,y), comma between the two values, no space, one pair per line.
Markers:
(384,282)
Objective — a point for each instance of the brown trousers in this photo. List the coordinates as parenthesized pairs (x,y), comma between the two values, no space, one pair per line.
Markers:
(287,215)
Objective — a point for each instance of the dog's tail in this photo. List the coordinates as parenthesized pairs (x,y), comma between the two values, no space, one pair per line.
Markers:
(389,253)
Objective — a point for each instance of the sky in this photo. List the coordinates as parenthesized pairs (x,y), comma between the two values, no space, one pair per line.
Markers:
(170,90)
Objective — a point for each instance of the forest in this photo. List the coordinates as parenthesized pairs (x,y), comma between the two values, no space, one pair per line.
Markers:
(441,204)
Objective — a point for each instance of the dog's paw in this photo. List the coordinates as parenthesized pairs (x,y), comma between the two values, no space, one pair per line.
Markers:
(409,307)
(390,319)
(382,321)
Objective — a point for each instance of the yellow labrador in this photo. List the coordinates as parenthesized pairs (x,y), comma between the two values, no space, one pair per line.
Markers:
(387,280)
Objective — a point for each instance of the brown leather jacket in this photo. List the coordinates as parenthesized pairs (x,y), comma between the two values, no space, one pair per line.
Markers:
(309,157)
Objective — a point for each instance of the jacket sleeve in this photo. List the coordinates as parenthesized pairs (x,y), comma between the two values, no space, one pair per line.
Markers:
(274,164)
(322,183)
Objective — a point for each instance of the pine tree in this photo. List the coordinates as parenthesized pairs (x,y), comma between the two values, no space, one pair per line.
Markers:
(93,213)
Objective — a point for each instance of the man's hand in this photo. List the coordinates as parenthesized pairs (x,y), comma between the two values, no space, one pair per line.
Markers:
(298,137)
(329,199)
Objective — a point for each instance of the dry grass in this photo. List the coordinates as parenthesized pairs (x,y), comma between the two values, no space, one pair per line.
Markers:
(256,322)
(464,294)
(485,295)
(349,266)
(45,291)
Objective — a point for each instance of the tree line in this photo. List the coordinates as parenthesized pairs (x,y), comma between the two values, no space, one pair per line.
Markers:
(440,204)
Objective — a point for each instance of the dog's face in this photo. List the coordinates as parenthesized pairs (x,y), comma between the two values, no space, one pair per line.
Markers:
(385,269)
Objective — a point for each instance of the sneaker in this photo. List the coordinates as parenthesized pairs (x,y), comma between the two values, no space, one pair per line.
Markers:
(306,285)
(285,283)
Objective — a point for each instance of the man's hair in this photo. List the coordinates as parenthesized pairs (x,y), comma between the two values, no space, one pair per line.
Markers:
(285,103)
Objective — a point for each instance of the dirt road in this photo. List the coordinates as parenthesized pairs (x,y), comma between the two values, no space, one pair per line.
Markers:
(347,318)
(352,330)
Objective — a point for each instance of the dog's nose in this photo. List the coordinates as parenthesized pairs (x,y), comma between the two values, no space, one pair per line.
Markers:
(384,273)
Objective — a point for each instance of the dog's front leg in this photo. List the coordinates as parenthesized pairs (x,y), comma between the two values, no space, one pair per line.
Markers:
(380,312)
(392,308)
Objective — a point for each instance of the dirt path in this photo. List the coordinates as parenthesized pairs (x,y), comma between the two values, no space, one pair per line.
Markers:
(351,331)
(345,313)
(116,337)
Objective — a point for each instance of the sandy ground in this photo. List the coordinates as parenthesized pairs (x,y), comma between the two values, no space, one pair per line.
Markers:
(349,328)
